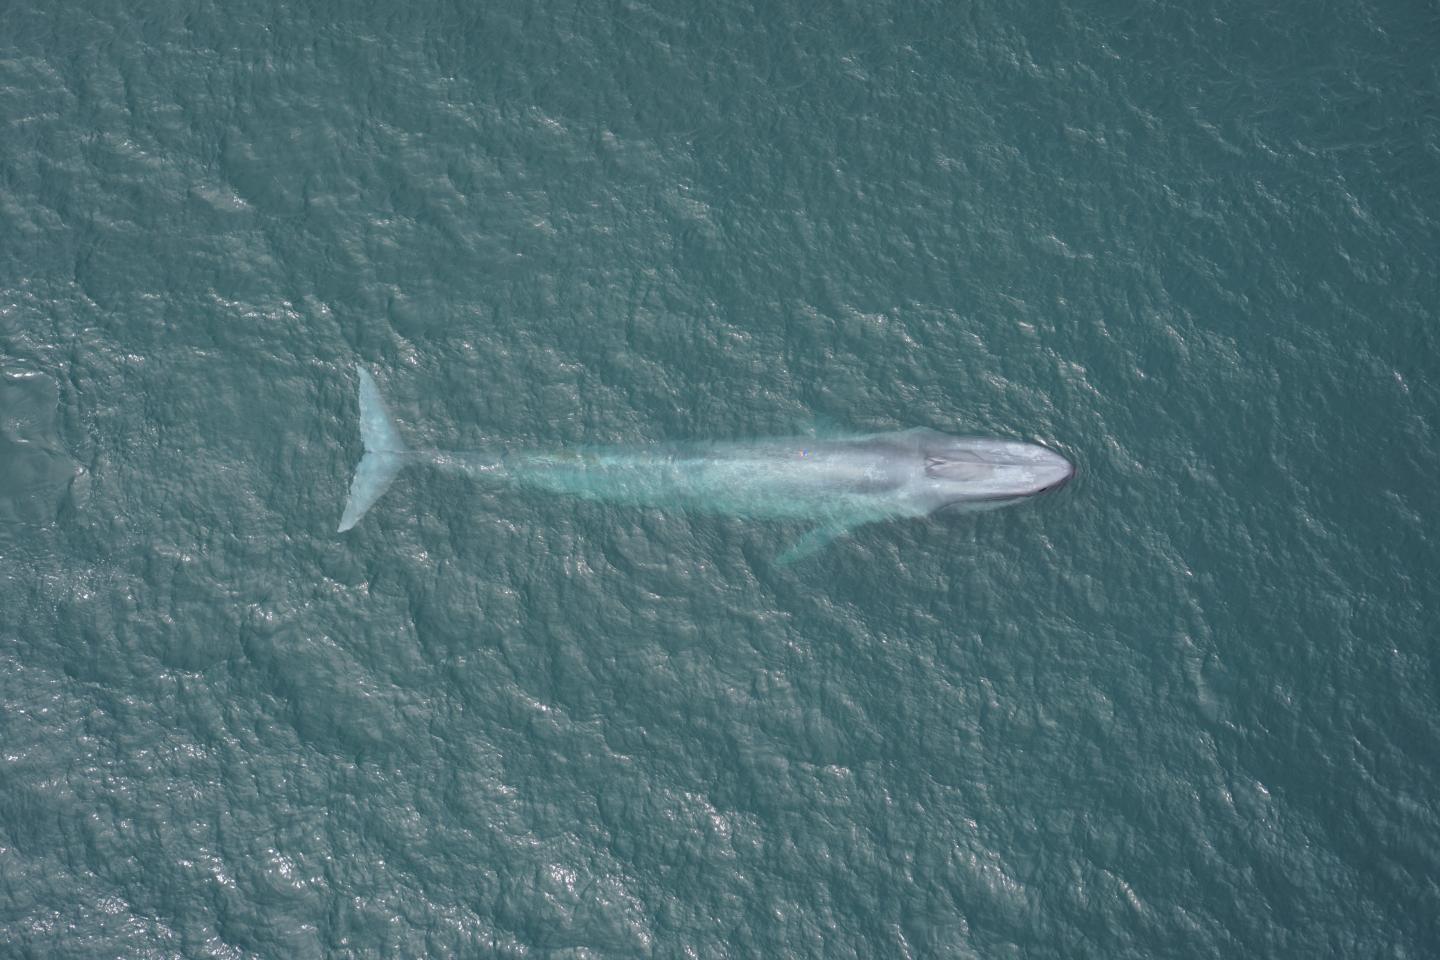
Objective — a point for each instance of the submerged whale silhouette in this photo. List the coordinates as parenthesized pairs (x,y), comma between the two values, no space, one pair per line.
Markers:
(838,483)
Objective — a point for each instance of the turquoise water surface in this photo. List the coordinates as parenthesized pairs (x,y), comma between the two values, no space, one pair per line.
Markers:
(1189,706)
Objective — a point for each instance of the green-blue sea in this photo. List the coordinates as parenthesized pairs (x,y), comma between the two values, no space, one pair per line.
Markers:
(1188,706)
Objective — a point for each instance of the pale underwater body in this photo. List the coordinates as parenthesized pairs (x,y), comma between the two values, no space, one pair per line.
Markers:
(838,483)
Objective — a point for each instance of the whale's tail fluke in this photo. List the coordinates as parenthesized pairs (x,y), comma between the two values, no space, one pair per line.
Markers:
(385,452)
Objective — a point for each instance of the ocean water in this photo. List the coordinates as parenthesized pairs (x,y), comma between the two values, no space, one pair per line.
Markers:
(1187,707)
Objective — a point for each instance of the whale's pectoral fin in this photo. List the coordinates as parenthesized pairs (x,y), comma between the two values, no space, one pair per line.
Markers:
(812,543)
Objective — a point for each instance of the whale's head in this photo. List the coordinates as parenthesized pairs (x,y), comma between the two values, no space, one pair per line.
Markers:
(973,471)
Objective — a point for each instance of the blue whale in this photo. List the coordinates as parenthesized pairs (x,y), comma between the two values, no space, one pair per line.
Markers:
(835,483)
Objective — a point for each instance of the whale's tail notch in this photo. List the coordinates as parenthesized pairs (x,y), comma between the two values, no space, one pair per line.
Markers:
(385,452)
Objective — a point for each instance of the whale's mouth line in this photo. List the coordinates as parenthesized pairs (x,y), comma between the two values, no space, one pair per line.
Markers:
(1057,484)
(995,498)
(1011,497)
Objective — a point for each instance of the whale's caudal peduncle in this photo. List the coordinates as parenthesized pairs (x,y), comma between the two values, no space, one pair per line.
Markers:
(836,483)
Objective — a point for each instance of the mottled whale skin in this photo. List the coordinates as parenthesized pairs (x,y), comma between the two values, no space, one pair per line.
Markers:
(836,483)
